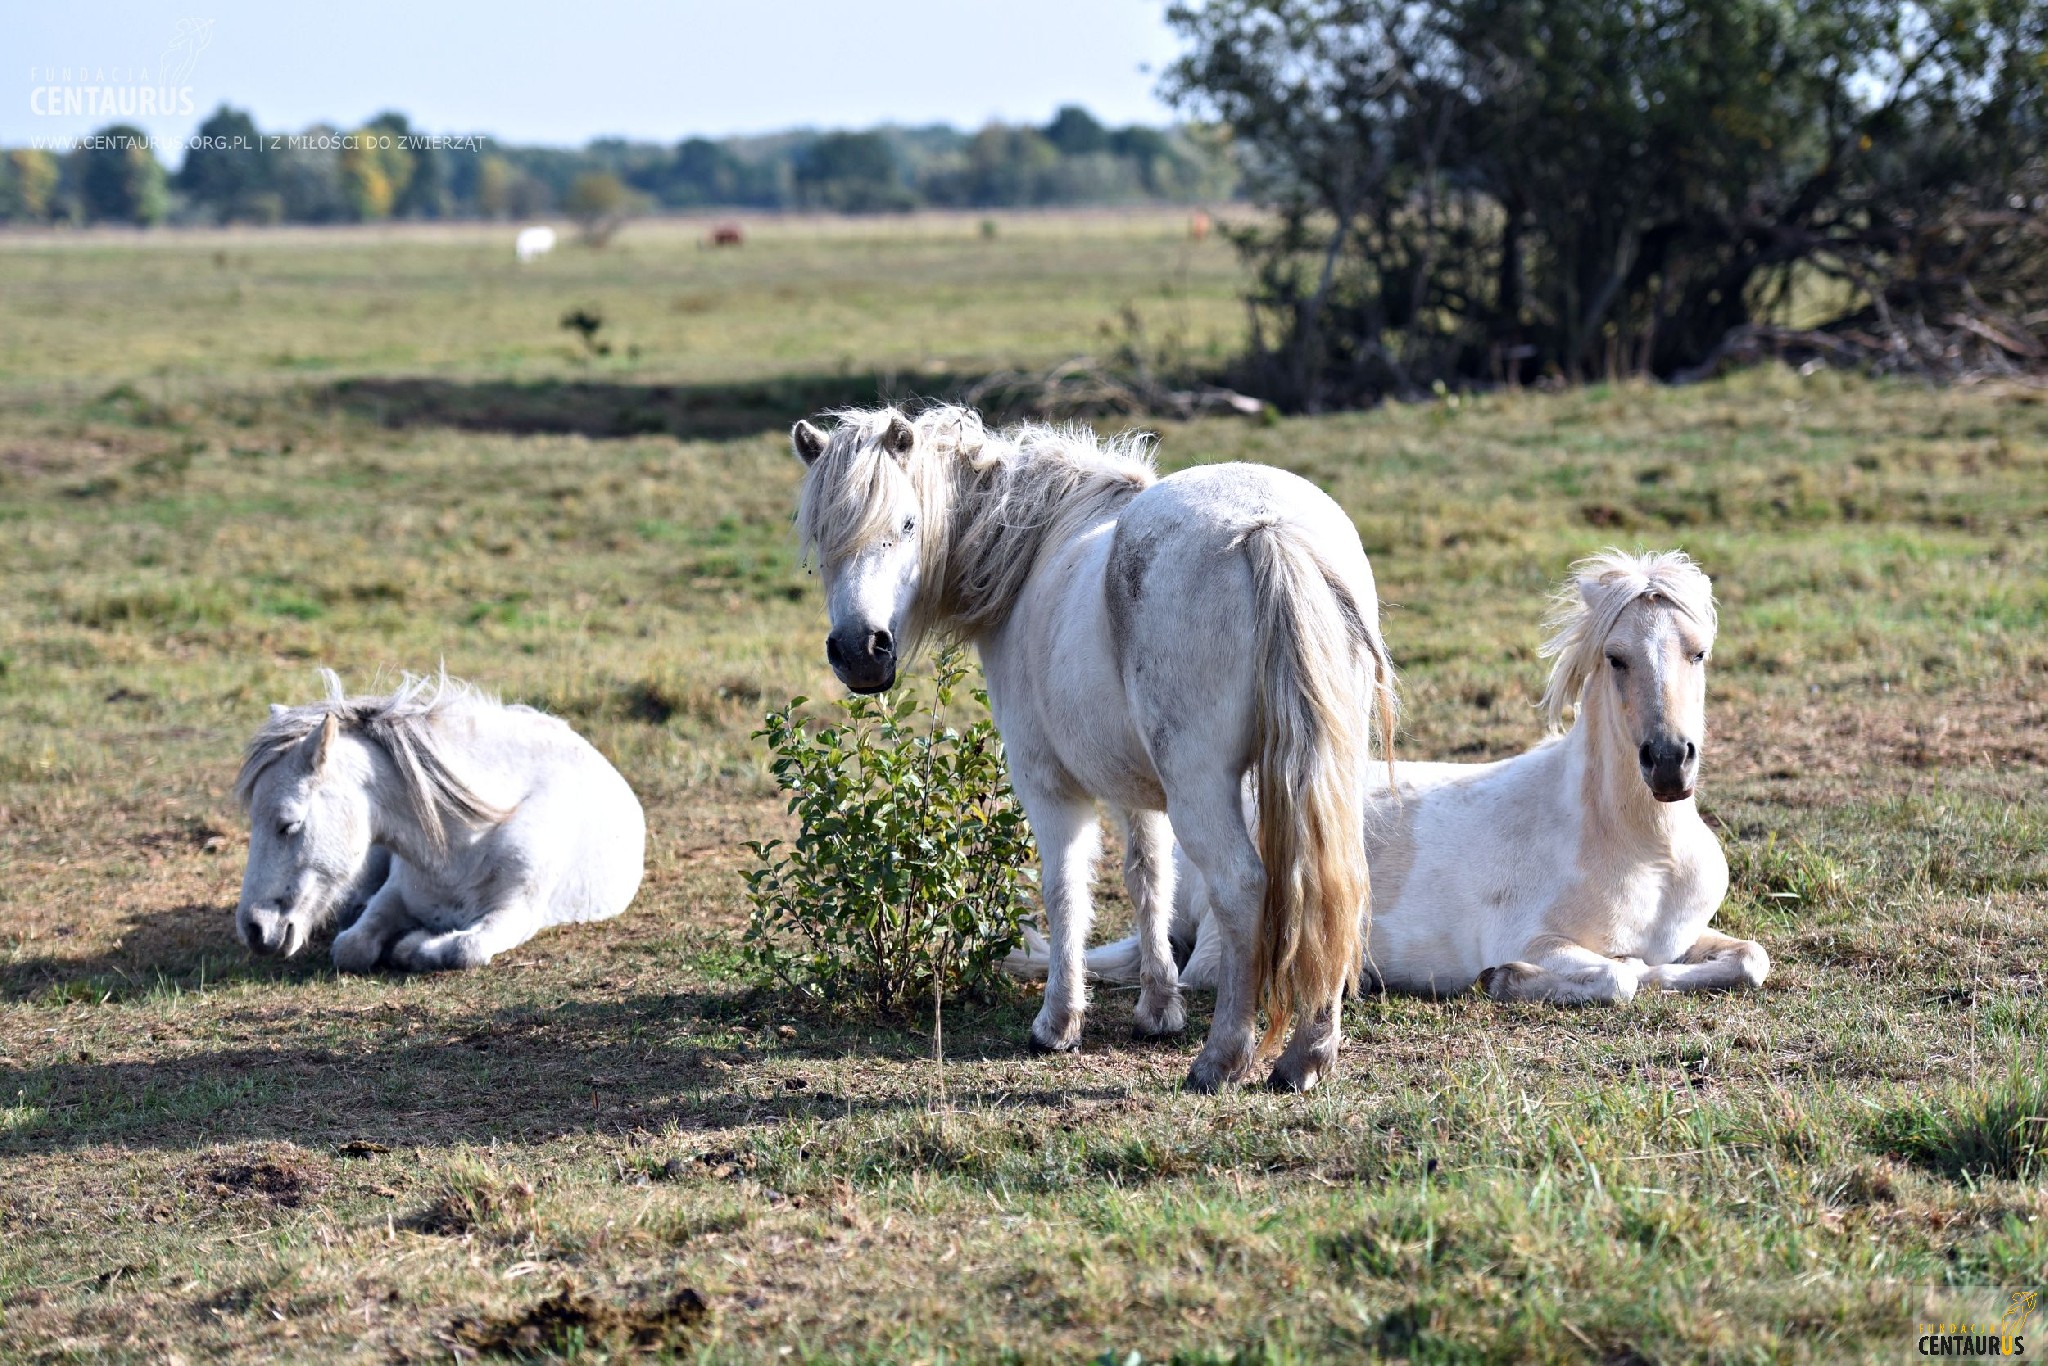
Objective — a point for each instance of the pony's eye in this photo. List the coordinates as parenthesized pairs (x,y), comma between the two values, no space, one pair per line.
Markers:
(290,828)
(1620,664)
(1700,657)
(909,525)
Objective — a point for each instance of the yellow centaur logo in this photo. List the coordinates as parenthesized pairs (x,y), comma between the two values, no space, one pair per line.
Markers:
(2007,1338)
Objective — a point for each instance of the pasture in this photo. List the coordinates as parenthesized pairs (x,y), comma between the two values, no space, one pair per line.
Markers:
(228,459)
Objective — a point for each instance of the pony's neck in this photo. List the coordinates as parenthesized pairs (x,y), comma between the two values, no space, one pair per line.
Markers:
(1616,799)
(393,822)
(1003,513)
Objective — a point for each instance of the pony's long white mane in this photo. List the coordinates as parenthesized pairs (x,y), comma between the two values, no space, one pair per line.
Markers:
(403,724)
(988,501)
(1586,606)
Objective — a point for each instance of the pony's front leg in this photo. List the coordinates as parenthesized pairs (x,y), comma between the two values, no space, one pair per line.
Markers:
(1069,839)
(1716,963)
(1565,973)
(1148,877)
(361,946)
(497,930)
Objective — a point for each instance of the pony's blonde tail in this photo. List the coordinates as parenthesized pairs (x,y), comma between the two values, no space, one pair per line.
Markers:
(1316,705)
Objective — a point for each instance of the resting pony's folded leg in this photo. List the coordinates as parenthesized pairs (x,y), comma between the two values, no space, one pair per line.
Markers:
(1716,963)
(504,927)
(1564,973)
(361,946)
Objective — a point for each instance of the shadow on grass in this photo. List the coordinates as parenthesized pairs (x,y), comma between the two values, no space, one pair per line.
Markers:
(614,409)
(526,1072)
(170,948)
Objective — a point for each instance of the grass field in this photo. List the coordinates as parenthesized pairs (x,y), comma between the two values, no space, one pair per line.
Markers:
(226,460)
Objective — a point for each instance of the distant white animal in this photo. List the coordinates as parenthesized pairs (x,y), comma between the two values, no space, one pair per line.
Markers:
(1147,642)
(533,243)
(1579,871)
(498,821)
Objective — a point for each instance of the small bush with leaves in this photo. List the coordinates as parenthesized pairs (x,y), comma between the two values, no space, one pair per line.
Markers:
(911,872)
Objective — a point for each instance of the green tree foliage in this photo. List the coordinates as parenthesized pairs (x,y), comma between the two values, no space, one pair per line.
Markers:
(599,202)
(853,173)
(28,185)
(1470,189)
(226,172)
(912,865)
(383,170)
(376,167)
(117,177)
(1075,132)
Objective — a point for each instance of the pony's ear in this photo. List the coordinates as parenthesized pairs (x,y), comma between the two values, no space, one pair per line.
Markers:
(901,438)
(278,709)
(807,441)
(1589,591)
(323,743)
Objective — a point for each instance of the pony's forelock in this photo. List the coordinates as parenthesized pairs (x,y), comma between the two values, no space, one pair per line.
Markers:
(1586,606)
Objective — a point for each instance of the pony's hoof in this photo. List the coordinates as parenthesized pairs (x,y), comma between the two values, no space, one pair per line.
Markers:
(356,952)
(1160,1021)
(1209,1075)
(1048,1037)
(1500,982)
(1289,1075)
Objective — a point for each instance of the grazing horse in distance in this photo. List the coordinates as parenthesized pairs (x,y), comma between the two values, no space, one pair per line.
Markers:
(1579,871)
(488,823)
(1148,642)
(533,243)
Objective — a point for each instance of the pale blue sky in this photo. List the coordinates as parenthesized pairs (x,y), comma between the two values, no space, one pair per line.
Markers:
(568,71)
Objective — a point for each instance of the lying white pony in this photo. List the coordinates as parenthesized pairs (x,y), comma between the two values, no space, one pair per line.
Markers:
(1579,871)
(499,821)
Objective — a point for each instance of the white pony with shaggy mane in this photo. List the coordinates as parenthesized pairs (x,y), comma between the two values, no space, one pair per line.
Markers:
(1577,872)
(1148,643)
(438,826)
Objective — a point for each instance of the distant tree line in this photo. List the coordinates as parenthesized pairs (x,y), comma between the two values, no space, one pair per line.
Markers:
(1500,190)
(233,172)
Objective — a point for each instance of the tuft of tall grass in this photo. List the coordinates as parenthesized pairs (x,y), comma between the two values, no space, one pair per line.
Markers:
(1995,1129)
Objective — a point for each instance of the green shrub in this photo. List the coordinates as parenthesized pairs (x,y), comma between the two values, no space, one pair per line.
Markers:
(913,866)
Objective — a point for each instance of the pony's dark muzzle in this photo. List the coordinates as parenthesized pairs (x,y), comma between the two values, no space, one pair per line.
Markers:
(1670,767)
(864,660)
(266,931)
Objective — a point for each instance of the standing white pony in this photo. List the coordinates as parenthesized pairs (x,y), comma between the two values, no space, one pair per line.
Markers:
(1147,642)
(1579,871)
(499,821)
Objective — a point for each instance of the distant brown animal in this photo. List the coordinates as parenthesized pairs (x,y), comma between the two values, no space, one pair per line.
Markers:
(1199,225)
(727,235)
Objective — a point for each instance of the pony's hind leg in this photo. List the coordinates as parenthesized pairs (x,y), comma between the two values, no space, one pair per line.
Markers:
(1312,1053)
(1210,821)
(1148,877)
(1069,837)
